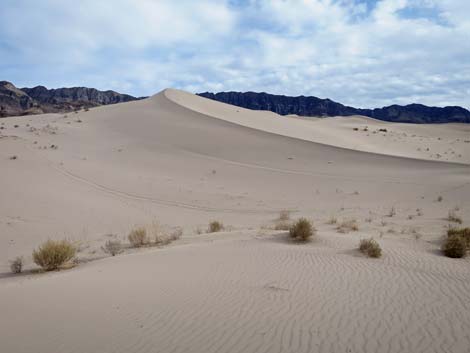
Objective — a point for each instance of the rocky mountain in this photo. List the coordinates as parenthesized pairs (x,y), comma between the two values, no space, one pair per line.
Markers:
(38,100)
(313,106)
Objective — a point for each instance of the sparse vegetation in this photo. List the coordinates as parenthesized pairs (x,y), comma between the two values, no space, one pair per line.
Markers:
(53,254)
(112,247)
(138,237)
(454,217)
(461,232)
(347,226)
(16,265)
(302,230)
(454,246)
(165,239)
(370,248)
(215,226)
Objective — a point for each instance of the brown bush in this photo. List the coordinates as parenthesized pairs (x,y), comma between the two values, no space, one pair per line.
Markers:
(215,226)
(462,232)
(370,248)
(454,246)
(138,237)
(53,254)
(302,230)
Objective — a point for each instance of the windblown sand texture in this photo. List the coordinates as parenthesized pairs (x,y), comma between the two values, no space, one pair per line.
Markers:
(184,160)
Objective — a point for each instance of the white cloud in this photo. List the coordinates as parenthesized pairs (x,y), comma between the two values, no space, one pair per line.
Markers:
(352,51)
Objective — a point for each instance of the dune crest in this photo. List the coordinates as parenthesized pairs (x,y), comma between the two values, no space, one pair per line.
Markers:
(422,141)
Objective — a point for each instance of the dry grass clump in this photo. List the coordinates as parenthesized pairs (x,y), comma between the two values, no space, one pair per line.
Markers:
(53,254)
(112,247)
(16,265)
(348,226)
(138,237)
(455,246)
(302,230)
(454,217)
(165,239)
(370,248)
(215,226)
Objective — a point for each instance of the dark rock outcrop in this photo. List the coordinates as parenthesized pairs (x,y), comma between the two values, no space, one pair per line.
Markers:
(37,100)
(313,106)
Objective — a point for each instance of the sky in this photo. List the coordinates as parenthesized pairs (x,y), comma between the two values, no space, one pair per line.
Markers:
(363,53)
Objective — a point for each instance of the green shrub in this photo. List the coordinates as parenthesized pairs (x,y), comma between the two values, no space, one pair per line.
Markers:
(215,226)
(138,237)
(301,230)
(454,246)
(370,248)
(53,254)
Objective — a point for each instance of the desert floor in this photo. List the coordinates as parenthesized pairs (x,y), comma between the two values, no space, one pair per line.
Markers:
(182,161)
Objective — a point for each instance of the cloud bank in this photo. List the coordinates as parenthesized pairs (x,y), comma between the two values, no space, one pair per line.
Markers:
(359,52)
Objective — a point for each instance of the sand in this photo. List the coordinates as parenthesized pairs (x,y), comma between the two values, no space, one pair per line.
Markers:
(184,160)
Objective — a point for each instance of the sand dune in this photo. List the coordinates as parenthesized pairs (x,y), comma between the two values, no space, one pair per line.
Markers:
(445,142)
(185,160)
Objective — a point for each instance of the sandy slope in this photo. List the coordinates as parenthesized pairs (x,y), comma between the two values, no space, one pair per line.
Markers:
(174,158)
(445,142)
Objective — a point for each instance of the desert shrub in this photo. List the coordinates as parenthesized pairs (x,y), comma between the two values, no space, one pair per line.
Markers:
(462,232)
(165,238)
(454,246)
(348,226)
(138,237)
(370,248)
(284,215)
(215,226)
(112,247)
(454,217)
(301,230)
(53,254)
(16,265)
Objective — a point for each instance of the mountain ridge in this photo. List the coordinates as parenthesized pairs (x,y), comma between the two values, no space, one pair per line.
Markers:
(311,106)
(38,100)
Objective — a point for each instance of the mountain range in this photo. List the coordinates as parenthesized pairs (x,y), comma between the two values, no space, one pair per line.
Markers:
(317,107)
(39,100)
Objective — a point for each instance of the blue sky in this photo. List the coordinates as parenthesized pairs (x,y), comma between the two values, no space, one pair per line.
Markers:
(365,53)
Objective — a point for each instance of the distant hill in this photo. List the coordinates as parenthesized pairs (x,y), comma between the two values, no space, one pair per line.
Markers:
(38,100)
(313,106)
